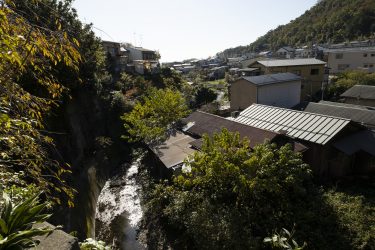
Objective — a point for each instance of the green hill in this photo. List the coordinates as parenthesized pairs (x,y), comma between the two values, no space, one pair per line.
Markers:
(330,21)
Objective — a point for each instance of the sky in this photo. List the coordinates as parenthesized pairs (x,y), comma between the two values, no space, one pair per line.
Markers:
(187,29)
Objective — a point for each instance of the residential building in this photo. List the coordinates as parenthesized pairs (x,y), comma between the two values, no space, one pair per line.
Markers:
(360,95)
(144,61)
(281,90)
(327,138)
(360,114)
(350,58)
(286,52)
(182,144)
(118,55)
(311,71)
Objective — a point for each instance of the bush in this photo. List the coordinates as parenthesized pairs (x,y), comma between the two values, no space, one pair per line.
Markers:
(16,223)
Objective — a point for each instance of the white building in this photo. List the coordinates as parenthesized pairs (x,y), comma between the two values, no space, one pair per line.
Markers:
(356,58)
(143,60)
(280,90)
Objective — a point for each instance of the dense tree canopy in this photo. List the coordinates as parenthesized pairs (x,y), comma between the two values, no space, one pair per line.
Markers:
(329,21)
(33,51)
(346,80)
(232,197)
(155,115)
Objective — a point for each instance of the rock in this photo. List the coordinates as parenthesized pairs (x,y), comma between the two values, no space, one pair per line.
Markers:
(57,240)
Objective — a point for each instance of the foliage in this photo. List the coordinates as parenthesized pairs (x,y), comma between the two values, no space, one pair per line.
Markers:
(355,209)
(32,51)
(16,221)
(283,240)
(15,185)
(346,80)
(329,21)
(232,196)
(91,244)
(204,95)
(155,115)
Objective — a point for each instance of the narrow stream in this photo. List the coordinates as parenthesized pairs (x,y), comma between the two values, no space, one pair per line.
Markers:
(119,211)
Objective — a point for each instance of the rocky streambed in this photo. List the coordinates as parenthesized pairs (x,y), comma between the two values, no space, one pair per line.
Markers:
(119,211)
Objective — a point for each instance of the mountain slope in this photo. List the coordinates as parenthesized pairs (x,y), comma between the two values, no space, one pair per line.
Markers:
(328,21)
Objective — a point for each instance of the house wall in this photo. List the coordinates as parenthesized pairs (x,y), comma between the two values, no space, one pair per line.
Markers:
(242,94)
(363,102)
(112,48)
(284,95)
(135,54)
(351,60)
(311,83)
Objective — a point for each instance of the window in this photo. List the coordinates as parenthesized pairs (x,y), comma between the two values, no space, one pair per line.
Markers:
(342,66)
(339,56)
(371,66)
(372,55)
(297,72)
(365,55)
(314,72)
(365,65)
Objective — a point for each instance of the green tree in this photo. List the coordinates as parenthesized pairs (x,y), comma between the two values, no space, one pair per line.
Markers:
(155,115)
(232,195)
(204,95)
(348,79)
(33,51)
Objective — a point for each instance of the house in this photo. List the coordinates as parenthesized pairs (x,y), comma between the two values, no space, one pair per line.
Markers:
(350,58)
(360,95)
(286,52)
(181,144)
(113,48)
(360,114)
(311,71)
(118,55)
(144,61)
(326,137)
(281,90)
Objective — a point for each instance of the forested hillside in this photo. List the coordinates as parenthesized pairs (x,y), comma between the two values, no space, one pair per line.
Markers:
(330,21)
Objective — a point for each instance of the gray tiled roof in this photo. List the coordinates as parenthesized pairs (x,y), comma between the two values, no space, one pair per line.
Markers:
(174,150)
(360,114)
(303,125)
(291,62)
(360,141)
(361,92)
(273,78)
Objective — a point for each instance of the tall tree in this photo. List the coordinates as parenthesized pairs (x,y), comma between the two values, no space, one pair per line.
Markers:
(155,115)
(29,49)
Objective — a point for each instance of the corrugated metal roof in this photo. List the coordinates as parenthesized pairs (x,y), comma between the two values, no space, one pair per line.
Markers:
(272,78)
(174,150)
(204,123)
(363,140)
(361,92)
(291,62)
(303,125)
(360,114)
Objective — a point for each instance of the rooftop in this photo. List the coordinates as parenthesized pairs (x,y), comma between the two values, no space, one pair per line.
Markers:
(360,92)
(306,126)
(359,114)
(291,62)
(288,48)
(272,78)
(174,150)
(360,141)
(200,123)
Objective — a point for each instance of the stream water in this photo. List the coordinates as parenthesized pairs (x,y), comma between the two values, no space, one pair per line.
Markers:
(119,211)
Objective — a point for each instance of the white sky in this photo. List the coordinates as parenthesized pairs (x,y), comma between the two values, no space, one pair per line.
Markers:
(190,28)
